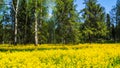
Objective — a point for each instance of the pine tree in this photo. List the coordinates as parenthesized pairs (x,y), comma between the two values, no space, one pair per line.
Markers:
(113,22)
(94,21)
(66,20)
(1,20)
(118,19)
(108,23)
(22,24)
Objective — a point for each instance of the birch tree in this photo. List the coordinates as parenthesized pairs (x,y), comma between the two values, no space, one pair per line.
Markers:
(15,8)
(36,24)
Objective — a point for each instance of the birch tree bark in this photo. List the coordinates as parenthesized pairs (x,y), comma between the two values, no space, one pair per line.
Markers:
(36,24)
(15,8)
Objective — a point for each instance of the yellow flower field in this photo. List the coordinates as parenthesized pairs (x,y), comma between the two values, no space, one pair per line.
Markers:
(73,56)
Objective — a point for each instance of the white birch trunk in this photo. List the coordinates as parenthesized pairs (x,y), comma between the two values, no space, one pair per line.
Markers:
(16,21)
(36,24)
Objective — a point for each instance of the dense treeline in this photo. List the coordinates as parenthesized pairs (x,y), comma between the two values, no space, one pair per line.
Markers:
(57,21)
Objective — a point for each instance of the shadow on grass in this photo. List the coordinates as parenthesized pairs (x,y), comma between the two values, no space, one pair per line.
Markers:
(40,49)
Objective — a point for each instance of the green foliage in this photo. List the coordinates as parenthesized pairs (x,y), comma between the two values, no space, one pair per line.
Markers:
(118,20)
(66,18)
(58,21)
(109,26)
(94,26)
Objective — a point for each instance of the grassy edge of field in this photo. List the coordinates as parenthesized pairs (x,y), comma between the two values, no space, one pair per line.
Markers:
(31,47)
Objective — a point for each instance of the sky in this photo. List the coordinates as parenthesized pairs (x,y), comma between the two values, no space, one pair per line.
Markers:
(107,4)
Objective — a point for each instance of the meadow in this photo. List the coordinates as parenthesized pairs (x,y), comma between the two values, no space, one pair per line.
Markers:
(60,56)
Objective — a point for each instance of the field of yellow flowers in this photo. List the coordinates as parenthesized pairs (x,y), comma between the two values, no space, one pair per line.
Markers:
(60,56)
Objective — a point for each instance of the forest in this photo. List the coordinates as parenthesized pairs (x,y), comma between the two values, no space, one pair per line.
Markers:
(55,34)
(57,22)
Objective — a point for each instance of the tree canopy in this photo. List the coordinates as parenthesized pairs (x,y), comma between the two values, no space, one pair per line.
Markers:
(57,21)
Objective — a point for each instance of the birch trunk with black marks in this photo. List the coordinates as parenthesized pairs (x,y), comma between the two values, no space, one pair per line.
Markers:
(36,24)
(16,21)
